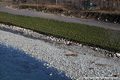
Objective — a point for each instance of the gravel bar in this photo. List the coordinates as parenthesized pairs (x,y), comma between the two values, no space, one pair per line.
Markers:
(89,62)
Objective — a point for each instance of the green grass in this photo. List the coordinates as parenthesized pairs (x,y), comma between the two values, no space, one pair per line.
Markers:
(90,35)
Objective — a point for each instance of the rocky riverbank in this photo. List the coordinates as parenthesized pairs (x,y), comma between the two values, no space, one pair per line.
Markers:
(77,60)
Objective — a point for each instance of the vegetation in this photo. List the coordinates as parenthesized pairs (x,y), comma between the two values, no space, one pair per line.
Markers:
(89,35)
(45,8)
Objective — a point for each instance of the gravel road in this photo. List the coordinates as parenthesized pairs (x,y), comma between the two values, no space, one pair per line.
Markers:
(32,13)
(87,64)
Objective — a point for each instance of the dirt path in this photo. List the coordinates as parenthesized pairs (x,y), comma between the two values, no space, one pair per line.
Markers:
(60,18)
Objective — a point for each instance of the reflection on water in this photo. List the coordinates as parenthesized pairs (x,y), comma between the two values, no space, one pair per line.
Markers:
(16,65)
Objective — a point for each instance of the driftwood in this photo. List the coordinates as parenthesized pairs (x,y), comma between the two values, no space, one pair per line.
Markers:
(69,53)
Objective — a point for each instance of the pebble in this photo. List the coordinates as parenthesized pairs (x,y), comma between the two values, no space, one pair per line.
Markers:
(80,45)
(47,64)
(115,22)
(50,74)
(106,20)
(44,64)
(98,18)
(118,54)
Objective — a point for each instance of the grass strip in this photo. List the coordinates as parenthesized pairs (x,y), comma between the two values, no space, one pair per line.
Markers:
(90,35)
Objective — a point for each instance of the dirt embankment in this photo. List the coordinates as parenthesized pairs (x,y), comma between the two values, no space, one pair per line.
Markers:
(106,16)
(113,17)
(56,9)
(51,8)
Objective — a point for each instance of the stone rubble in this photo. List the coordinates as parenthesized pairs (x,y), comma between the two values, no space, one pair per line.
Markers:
(32,34)
(89,62)
(118,54)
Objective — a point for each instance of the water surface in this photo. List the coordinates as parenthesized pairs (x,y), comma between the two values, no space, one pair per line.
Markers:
(16,65)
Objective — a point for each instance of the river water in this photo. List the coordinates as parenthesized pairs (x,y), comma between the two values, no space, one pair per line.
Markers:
(16,65)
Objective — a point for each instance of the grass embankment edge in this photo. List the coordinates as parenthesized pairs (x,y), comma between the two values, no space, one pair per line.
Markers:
(88,35)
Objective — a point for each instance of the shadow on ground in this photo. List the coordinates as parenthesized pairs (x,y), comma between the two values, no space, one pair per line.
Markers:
(16,65)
